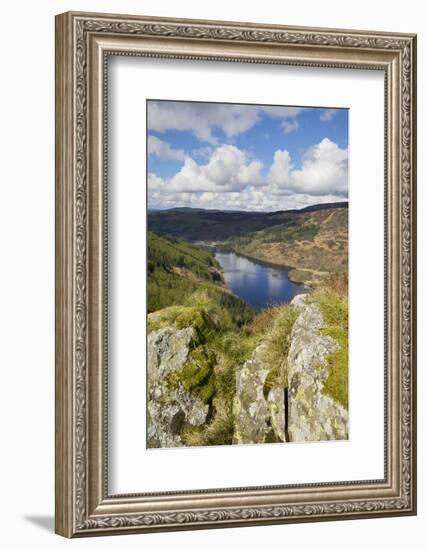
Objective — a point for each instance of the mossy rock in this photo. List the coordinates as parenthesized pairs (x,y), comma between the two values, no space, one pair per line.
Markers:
(199,319)
(197,375)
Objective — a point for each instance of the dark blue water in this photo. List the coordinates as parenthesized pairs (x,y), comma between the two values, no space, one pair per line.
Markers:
(257,284)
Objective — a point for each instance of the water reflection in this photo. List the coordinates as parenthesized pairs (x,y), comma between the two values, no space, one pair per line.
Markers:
(259,285)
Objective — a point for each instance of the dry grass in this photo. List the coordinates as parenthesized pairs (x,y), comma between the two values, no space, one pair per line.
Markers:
(338,283)
(263,321)
(278,343)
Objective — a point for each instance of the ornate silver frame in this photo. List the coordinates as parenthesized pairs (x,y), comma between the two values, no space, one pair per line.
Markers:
(83,42)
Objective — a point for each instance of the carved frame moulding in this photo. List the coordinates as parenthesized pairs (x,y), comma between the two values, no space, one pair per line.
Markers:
(84,42)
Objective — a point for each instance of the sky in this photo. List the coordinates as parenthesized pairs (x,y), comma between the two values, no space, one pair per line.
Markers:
(245,157)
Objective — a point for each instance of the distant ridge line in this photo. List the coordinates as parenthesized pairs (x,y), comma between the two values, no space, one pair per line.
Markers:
(312,208)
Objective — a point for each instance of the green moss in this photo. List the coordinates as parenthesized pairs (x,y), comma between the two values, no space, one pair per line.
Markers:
(163,318)
(201,321)
(336,384)
(153,325)
(192,375)
(197,375)
(203,324)
(230,350)
(206,391)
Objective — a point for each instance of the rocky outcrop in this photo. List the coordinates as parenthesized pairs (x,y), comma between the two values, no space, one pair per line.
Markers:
(312,415)
(309,414)
(257,419)
(182,382)
(170,407)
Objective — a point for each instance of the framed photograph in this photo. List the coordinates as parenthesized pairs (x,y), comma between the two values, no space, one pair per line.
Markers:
(235,274)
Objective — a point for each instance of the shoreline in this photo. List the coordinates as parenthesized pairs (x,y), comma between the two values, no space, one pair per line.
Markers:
(286,268)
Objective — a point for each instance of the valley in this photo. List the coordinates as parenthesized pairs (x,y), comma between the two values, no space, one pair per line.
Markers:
(247,326)
(312,242)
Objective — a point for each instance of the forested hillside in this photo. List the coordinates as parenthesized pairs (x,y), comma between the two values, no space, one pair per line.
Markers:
(178,269)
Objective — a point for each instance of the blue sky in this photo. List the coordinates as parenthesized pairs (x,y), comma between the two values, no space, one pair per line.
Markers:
(247,157)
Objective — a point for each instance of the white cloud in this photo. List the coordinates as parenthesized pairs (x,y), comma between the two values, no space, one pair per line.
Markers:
(328,114)
(324,171)
(203,118)
(163,150)
(281,169)
(252,200)
(228,169)
(231,180)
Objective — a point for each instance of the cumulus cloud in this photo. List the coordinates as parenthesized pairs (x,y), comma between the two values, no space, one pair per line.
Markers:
(231,180)
(328,114)
(228,169)
(251,200)
(324,171)
(202,119)
(163,150)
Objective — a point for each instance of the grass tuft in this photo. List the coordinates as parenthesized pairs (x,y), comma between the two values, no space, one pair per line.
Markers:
(278,343)
(334,308)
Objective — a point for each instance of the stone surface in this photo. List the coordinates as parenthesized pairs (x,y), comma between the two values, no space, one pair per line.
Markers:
(255,416)
(299,301)
(276,407)
(312,416)
(170,409)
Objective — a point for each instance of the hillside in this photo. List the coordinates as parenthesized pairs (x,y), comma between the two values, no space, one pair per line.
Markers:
(314,245)
(193,224)
(177,270)
(220,374)
(312,241)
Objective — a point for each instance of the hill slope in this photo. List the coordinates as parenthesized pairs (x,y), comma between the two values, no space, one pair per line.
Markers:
(313,241)
(194,224)
(179,271)
(314,245)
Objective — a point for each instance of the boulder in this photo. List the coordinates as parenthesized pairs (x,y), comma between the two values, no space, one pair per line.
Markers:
(312,415)
(256,419)
(170,408)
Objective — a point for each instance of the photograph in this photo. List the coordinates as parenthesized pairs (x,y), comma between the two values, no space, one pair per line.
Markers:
(235,271)
(247,273)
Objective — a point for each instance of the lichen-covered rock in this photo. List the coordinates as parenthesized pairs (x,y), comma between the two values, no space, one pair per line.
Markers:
(170,408)
(276,407)
(299,301)
(312,415)
(255,418)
